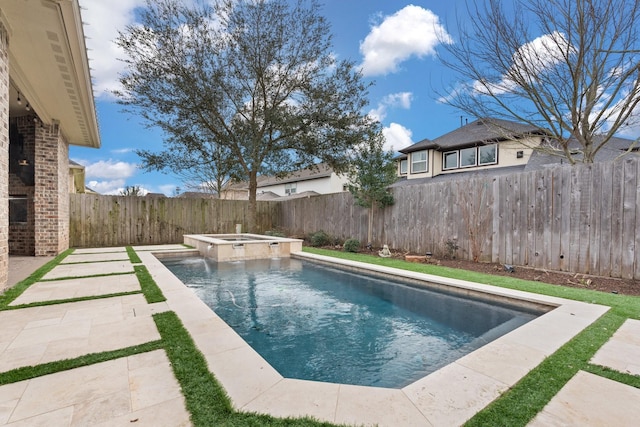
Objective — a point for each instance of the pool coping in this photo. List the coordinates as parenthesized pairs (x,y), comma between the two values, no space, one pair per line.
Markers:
(449,396)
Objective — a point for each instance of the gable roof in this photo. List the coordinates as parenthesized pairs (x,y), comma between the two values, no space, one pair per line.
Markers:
(479,132)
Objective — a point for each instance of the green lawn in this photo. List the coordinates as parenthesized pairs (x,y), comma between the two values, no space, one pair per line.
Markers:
(209,405)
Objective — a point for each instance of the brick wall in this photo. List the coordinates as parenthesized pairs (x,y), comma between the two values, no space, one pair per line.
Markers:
(4,156)
(22,235)
(51,196)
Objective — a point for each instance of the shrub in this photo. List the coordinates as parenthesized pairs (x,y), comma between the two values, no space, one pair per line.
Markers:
(320,238)
(351,245)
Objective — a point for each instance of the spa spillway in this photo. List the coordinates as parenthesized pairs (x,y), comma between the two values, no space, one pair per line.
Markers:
(237,247)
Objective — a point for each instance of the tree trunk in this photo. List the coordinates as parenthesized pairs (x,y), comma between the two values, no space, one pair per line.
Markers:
(370,230)
(253,206)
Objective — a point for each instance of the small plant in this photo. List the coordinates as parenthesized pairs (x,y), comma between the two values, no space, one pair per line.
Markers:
(320,238)
(351,245)
(452,247)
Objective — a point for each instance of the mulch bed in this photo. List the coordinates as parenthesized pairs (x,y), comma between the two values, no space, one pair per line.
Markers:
(582,281)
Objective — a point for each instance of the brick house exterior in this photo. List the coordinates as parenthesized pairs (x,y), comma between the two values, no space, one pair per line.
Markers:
(46,104)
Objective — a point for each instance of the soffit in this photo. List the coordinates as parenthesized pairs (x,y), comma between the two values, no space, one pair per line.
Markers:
(48,64)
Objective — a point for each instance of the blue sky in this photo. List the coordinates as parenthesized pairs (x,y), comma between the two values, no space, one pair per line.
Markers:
(394,42)
(399,35)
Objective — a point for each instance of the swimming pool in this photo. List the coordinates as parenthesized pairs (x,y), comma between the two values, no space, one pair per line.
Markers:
(321,323)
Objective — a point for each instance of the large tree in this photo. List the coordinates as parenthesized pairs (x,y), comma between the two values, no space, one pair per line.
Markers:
(569,66)
(372,172)
(255,78)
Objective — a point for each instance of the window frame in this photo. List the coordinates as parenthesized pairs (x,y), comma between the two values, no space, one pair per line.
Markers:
(425,161)
(290,188)
(495,155)
(475,157)
(444,160)
(404,162)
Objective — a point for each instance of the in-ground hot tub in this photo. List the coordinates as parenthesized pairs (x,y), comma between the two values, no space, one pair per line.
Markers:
(236,247)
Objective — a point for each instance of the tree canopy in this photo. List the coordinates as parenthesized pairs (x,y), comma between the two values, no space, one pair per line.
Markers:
(241,88)
(569,66)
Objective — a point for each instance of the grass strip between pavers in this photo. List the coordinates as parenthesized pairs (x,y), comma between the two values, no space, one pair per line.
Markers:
(206,400)
(15,291)
(519,405)
(612,374)
(150,289)
(133,256)
(29,372)
(70,300)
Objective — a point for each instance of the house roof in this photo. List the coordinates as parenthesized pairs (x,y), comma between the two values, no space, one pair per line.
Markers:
(613,149)
(320,170)
(48,65)
(478,132)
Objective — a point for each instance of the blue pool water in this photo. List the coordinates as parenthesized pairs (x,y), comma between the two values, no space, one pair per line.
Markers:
(314,322)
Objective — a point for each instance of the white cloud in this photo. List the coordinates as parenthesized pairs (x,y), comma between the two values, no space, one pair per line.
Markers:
(122,150)
(395,100)
(107,187)
(397,137)
(412,31)
(104,19)
(109,169)
(531,59)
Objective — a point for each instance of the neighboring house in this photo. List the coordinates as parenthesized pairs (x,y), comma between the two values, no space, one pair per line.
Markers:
(491,147)
(76,178)
(320,179)
(308,182)
(479,145)
(46,105)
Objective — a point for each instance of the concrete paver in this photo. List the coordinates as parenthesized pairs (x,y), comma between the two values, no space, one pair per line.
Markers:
(590,400)
(77,288)
(622,351)
(89,269)
(99,257)
(98,393)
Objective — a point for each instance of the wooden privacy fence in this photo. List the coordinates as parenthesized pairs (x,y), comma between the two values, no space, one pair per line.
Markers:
(582,219)
(97,221)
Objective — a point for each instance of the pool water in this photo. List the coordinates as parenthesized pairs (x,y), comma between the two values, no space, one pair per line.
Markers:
(319,323)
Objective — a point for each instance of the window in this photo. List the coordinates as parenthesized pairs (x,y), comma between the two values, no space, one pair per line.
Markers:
(17,209)
(404,164)
(290,188)
(419,162)
(450,160)
(487,154)
(467,157)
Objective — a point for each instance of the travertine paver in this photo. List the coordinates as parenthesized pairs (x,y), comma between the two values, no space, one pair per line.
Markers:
(110,256)
(138,389)
(77,288)
(99,250)
(622,351)
(159,248)
(44,334)
(591,400)
(90,269)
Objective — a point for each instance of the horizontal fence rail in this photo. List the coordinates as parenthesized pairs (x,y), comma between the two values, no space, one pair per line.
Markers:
(580,219)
